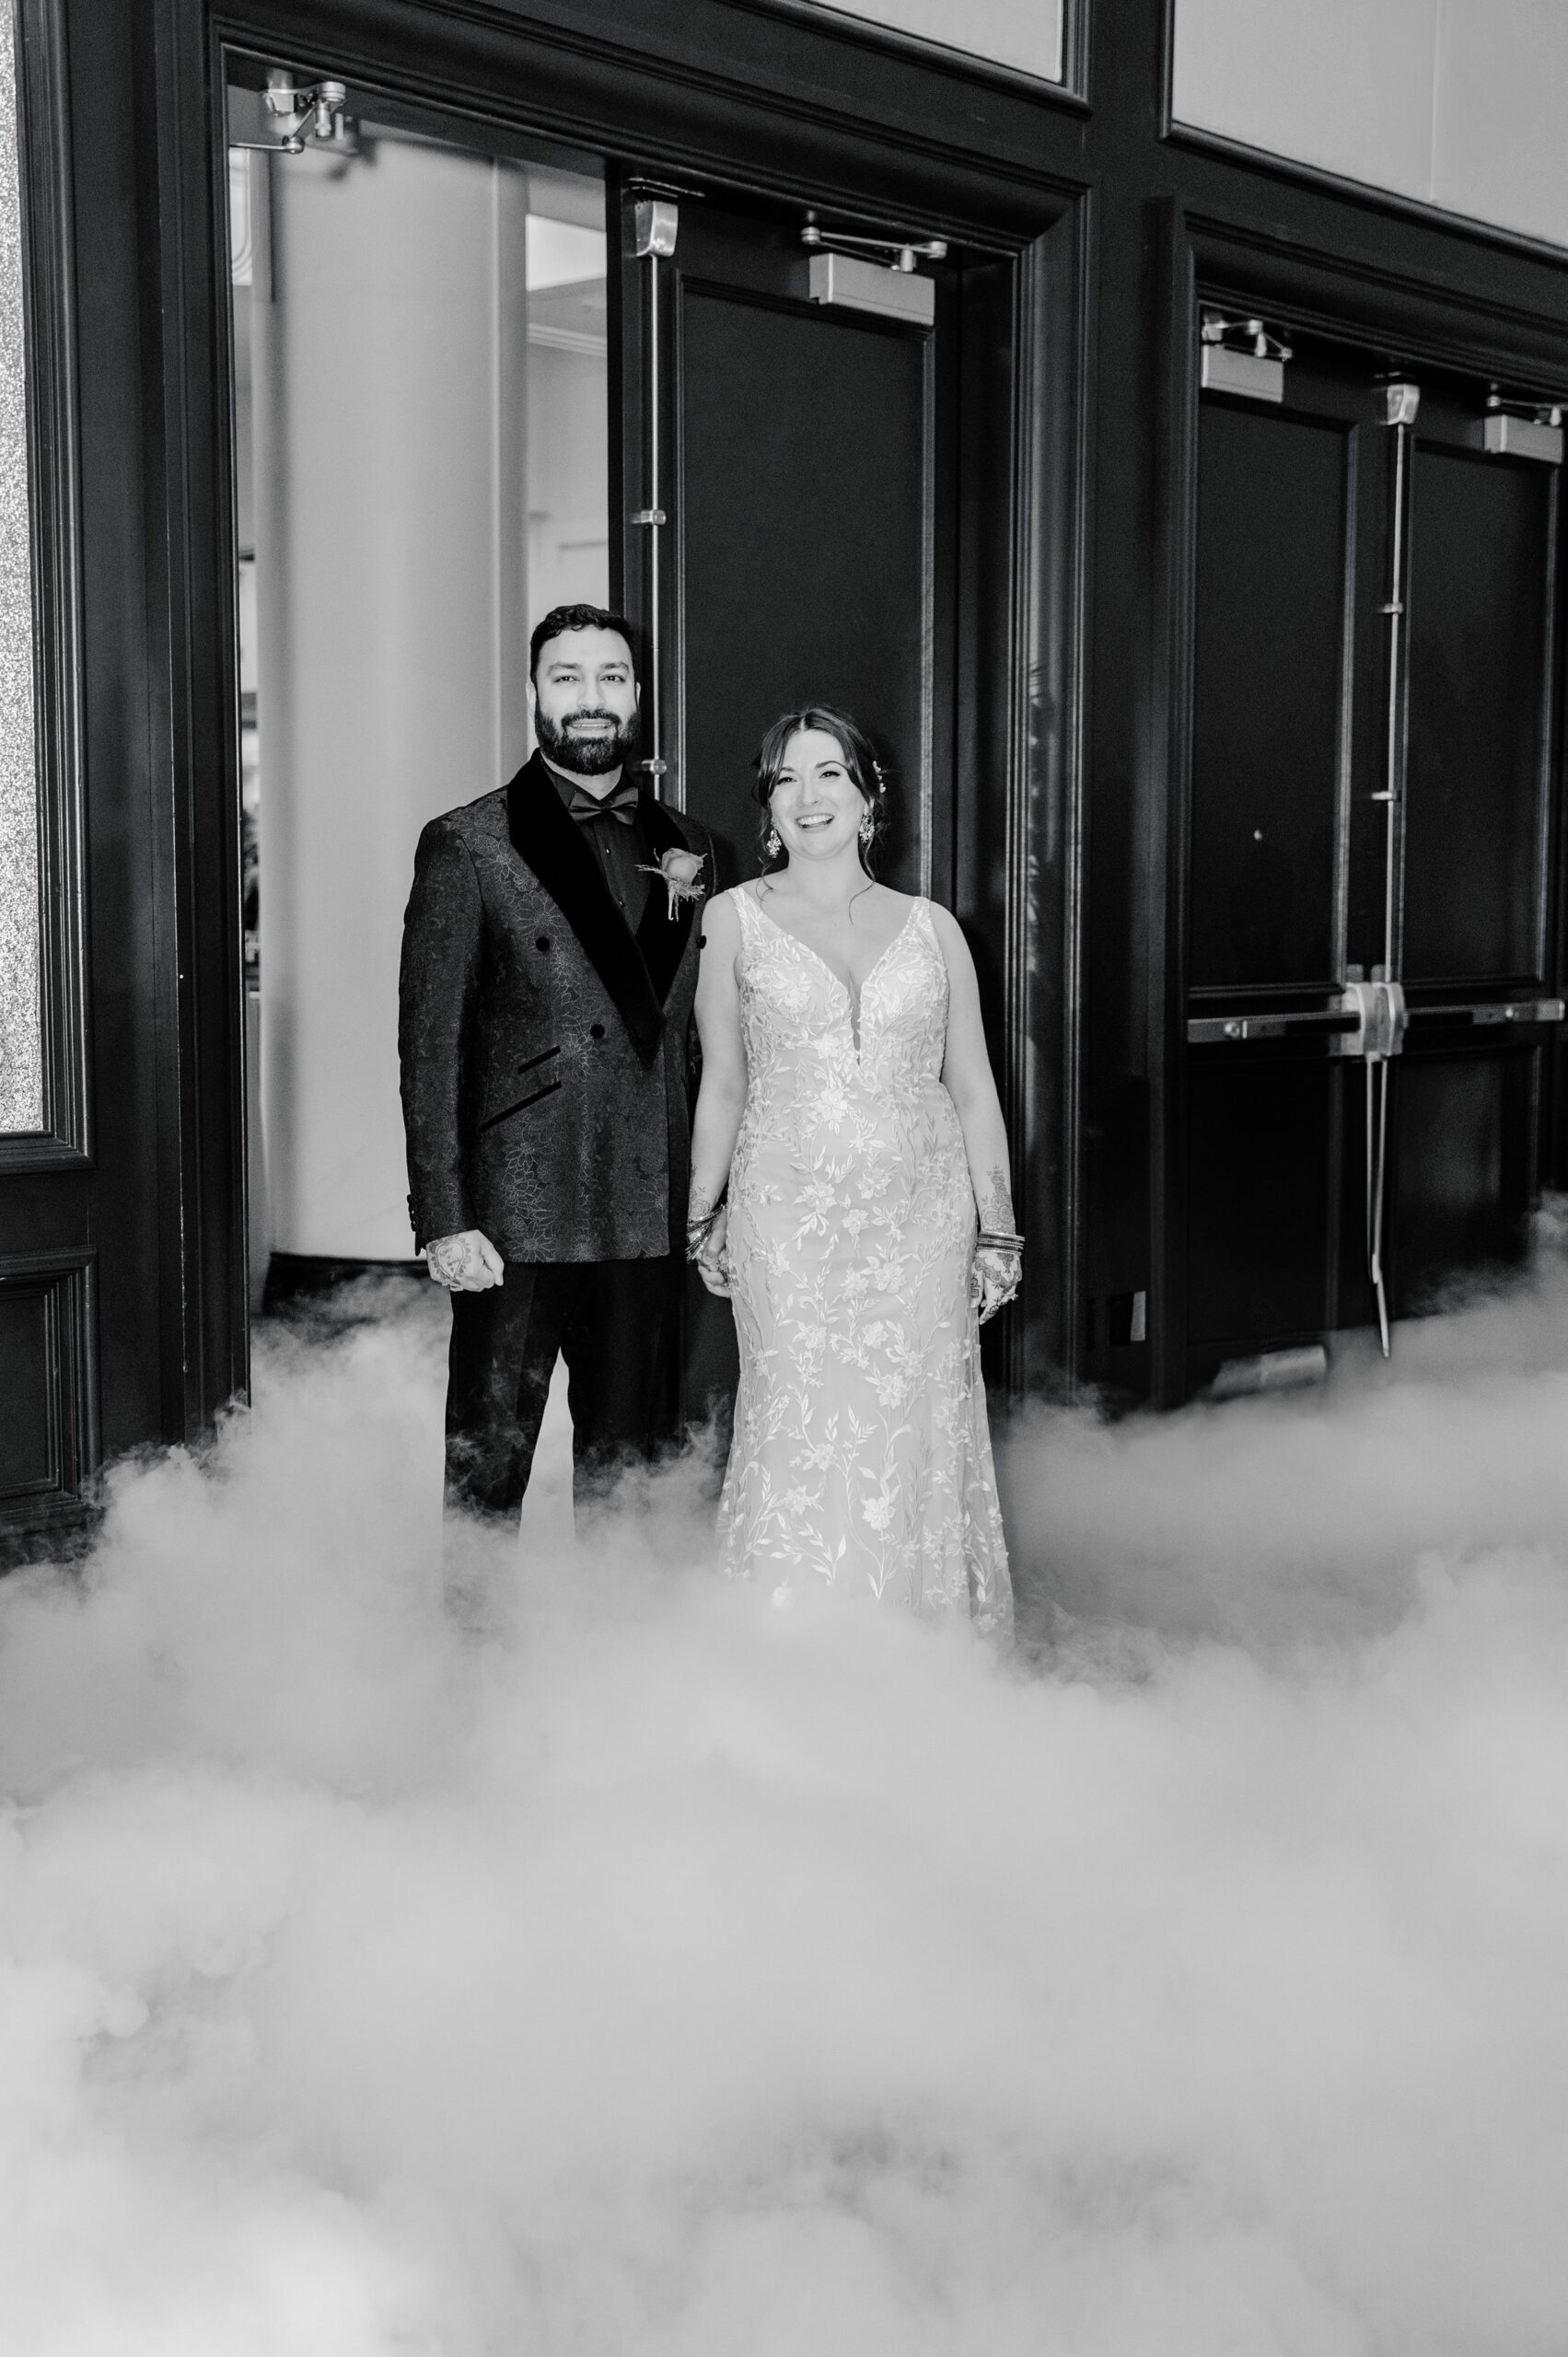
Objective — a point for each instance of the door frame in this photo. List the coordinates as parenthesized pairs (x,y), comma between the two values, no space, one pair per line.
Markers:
(48,1172)
(1413,317)
(1105,212)
(581,96)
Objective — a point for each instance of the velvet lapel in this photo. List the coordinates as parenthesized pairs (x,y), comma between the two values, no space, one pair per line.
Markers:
(661,937)
(547,838)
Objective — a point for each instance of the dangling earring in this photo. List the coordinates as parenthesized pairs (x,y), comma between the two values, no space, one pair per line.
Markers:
(772,846)
(867,827)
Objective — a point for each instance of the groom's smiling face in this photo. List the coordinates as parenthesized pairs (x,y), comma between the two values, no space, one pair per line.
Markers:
(584,701)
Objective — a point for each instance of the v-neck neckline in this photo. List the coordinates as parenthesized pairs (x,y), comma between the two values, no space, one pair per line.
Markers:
(856,997)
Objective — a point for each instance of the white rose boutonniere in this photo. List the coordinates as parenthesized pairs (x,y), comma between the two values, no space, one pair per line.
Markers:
(681,873)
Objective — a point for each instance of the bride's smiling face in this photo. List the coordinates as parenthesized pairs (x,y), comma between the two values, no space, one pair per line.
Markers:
(816,804)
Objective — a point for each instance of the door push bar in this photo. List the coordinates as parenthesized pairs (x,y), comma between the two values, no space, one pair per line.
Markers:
(1365,1020)
(1484,1013)
(1370,1019)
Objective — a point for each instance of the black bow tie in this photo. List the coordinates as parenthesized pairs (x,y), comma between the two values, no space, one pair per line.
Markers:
(621,803)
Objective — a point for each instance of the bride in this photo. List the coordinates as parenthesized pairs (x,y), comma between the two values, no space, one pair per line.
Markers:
(847,1127)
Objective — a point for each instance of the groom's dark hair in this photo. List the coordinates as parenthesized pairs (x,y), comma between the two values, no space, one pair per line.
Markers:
(561,618)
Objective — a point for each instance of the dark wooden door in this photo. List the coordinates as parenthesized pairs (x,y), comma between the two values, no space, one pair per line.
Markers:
(1372,762)
(799,455)
(1477,841)
(808,520)
(1284,856)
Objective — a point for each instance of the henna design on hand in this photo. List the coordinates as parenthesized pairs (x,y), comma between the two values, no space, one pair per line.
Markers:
(997,1211)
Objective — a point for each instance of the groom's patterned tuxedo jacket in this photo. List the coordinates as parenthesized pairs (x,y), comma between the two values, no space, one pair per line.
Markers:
(544,1049)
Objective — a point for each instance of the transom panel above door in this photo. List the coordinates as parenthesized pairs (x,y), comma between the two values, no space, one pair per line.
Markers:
(1373,824)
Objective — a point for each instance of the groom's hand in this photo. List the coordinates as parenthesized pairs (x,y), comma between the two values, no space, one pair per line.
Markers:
(465,1263)
(712,1259)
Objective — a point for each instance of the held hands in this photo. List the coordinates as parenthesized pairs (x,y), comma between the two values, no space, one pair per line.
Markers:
(465,1263)
(705,1250)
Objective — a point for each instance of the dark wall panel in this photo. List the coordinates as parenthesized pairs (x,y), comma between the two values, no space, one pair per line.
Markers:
(1478,641)
(1266,720)
(27,1455)
(804,535)
(49,1420)
(1258,1241)
(1463,1180)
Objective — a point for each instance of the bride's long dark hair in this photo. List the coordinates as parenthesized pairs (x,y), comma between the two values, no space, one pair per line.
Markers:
(860,760)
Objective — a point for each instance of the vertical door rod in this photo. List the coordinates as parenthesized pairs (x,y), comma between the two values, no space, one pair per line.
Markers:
(656,222)
(1398,406)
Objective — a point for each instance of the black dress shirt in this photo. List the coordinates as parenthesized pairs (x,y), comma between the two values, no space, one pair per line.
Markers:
(620,850)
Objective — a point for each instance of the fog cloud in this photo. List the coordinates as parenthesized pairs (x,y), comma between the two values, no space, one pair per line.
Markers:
(675,1975)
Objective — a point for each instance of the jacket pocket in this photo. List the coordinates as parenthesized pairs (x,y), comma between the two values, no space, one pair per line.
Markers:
(518,1104)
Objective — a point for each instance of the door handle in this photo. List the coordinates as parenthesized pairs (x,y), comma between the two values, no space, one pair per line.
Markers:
(1482,1014)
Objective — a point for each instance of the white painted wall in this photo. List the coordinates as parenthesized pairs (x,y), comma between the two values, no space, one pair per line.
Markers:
(568,527)
(1024,33)
(391,522)
(1462,103)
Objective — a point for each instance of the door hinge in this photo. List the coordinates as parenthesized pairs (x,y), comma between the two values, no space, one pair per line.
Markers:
(842,272)
(897,253)
(861,286)
(287,116)
(1240,356)
(1521,429)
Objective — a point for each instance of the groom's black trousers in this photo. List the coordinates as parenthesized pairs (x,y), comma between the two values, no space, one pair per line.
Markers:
(614,1322)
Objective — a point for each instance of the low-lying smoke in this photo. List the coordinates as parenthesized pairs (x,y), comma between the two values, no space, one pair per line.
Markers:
(673,1975)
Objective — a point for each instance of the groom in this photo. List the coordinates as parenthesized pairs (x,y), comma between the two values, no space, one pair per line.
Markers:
(545,1008)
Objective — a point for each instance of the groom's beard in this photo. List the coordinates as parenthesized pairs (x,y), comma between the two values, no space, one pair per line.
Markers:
(586,753)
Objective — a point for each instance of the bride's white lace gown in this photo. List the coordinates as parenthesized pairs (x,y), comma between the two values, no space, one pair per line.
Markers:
(862,1455)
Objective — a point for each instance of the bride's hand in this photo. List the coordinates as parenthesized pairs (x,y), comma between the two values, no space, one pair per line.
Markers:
(712,1260)
(996,1279)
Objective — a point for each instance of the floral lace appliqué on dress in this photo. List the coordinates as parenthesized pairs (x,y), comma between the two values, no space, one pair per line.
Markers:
(862,1455)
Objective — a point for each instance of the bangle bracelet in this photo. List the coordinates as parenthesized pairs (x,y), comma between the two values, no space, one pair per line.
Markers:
(987,1240)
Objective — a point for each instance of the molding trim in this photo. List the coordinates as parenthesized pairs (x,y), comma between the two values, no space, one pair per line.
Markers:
(1351,297)
(587,89)
(67,1281)
(1322,179)
(1170,742)
(868,32)
(1044,916)
(43,145)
